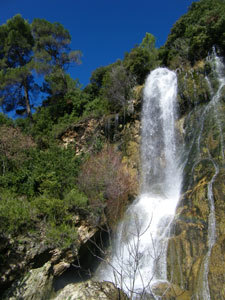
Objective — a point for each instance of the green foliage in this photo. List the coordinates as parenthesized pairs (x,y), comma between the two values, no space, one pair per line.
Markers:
(96,82)
(52,209)
(77,100)
(41,46)
(97,108)
(16,74)
(53,56)
(76,199)
(142,59)
(14,146)
(4,120)
(148,42)
(195,33)
(138,63)
(117,89)
(15,213)
(62,236)
(52,46)
(51,172)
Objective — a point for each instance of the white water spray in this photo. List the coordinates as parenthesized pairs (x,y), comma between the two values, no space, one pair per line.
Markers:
(139,252)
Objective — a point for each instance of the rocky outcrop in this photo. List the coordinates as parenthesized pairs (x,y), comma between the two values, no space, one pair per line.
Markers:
(91,290)
(196,247)
(32,268)
(20,255)
(35,285)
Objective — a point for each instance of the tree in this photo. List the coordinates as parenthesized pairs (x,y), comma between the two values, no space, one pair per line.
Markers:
(43,47)
(142,59)
(52,54)
(117,87)
(196,32)
(16,76)
(148,42)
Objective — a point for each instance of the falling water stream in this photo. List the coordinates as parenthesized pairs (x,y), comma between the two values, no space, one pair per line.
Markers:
(139,250)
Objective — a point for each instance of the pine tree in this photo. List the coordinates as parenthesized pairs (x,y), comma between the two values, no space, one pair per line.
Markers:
(16,78)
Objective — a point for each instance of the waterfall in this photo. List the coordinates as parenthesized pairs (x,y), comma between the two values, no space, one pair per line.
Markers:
(139,250)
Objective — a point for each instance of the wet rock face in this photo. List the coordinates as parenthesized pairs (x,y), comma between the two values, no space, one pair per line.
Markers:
(202,200)
(192,86)
(217,259)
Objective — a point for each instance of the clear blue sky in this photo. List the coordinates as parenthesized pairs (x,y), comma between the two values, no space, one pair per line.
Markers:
(102,29)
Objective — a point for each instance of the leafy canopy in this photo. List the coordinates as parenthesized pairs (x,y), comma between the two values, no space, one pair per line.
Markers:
(43,47)
(196,32)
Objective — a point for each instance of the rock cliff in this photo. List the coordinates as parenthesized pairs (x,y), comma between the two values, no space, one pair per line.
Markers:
(196,248)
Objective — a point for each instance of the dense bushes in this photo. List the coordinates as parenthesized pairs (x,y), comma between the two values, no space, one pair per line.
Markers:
(16,214)
(43,215)
(194,34)
(38,192)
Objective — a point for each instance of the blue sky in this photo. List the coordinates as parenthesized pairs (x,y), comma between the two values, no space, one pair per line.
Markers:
(102,29)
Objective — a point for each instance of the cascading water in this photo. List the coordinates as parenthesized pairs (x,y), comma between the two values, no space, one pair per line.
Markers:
(139,251)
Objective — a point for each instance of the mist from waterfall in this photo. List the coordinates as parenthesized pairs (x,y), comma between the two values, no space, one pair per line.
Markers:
(138,257)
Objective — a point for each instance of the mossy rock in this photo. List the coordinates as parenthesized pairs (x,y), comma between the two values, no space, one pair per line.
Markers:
(185,249)
(219,192)
(216,270)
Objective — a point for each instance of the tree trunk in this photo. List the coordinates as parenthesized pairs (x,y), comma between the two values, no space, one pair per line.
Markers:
(28,108)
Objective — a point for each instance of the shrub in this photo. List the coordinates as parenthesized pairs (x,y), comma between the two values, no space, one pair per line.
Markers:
(107,183)
(75,199)
(62,236)
(15,213)
(13,146)
(49,208)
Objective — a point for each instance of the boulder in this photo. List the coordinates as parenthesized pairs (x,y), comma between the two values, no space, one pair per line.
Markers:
(91,290)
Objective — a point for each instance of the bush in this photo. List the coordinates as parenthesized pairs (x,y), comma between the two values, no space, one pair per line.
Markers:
(107,183)
(75,199)
(13,147)
(51,172)
(15,214)
(96,108)
(50,209)
(62,236)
